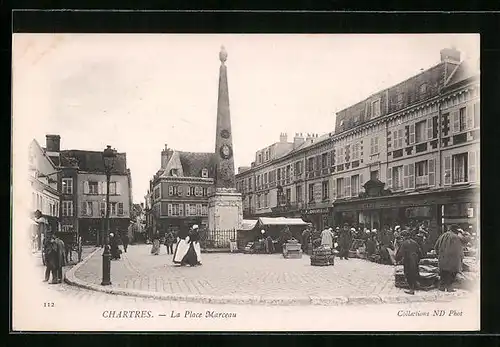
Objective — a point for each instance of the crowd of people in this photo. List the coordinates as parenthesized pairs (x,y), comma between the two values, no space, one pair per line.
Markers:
(187,245)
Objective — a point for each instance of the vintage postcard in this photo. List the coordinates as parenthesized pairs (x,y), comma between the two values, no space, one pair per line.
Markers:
(246,182)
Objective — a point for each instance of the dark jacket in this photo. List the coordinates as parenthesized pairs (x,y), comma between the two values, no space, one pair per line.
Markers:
(410,252)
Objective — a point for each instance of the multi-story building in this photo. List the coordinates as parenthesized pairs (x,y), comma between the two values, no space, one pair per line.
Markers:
(45,196)
(410,151)
(179,191)
(83,191)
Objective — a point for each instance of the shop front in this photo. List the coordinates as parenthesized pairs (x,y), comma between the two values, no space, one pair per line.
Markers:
(320,218)
(437,209)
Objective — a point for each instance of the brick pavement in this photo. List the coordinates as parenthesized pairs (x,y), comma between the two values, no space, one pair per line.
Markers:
(266,276)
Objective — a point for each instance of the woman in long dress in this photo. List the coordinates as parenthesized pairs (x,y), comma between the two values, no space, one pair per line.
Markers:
(155,250)
(181,247)
(193,255)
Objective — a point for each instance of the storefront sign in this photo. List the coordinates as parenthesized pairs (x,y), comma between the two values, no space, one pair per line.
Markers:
(316,211)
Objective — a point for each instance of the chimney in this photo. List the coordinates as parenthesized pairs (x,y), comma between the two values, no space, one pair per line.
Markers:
(166,154)
(283,137)
(450,55)
(298,140)
(309,137)
(53,143)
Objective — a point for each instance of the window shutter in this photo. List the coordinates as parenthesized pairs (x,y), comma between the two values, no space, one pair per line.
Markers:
(376,144)
(411,175)
(389,177)
(99,188)
(455,119)
(469,123)
(432,171)
(334,189)
(181,209)
(472,166)
(170,190)
(405,176)
(360,182)
(412,134)
(85,187)
(347,186)
(447,171)
(118,188)
(105,187)
(90,207)
(395,139)
(429,128)
(400,138)
(372,145)
(84,208)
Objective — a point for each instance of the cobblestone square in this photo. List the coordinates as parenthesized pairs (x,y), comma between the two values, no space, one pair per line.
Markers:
(243,274)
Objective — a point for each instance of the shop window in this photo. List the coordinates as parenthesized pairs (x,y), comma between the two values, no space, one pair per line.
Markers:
(459,174)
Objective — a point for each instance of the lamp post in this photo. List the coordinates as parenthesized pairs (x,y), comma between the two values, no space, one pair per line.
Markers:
(108,156)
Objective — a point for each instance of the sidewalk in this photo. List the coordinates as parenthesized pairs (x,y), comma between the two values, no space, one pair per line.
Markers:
(248,279)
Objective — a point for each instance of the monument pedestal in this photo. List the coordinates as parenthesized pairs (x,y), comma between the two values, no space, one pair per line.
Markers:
(225,210)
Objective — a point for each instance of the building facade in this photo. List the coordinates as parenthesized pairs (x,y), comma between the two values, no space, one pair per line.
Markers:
(410,151)
(178,195)
(83,192)
(45,196)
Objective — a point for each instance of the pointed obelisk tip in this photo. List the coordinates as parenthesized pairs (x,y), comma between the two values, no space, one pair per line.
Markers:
(223,54)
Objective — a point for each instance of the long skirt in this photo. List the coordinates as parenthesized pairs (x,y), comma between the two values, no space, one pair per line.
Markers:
(155,250)
(193,255)
(181,250)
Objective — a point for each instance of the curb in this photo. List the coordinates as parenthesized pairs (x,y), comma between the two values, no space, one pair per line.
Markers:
(71,279)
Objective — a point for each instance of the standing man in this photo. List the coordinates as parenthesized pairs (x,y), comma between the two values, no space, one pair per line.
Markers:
(169,242)
(305,239)
(345,240)
(60,254)
(410,253)
(450,251)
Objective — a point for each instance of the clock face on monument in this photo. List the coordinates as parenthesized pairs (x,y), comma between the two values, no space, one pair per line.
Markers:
(226,151)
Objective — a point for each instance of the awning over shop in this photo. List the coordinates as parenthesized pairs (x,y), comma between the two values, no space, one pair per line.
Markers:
(248,224)
(281,221)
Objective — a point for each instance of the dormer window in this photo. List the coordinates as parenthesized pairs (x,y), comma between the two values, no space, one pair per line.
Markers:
(423,88)
(204,173)
(174,172)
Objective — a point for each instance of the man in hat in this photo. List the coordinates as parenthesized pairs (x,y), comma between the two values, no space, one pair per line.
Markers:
(410,253)
(450,250)
(345,240)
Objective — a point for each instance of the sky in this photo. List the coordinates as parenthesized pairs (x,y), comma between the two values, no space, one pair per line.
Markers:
(138,92)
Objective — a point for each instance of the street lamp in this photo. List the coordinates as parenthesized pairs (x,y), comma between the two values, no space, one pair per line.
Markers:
(108,156)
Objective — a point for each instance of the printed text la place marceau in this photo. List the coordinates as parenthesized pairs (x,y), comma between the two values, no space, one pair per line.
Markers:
(136,314)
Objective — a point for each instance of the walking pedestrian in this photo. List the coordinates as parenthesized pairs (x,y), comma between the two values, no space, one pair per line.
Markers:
(114,249)
(155,249)
(125,241)
(182,247)
(50,256)
(410,253)
(345,240)
(449,248)
(61,257)
(169,242)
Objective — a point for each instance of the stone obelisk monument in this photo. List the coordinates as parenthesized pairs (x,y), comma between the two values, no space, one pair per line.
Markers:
(225,210)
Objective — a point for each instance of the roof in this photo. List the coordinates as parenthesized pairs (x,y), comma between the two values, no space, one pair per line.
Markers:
(92,161)
(467,69)
(248,224)
(281,221)
(193,162)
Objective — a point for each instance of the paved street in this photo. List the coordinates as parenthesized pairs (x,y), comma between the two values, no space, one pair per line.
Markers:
(66,308)
(243,274)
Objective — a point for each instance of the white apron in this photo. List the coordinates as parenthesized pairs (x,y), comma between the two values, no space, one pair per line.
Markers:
(197,249)
(181,249)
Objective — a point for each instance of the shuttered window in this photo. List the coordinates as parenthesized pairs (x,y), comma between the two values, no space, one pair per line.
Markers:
(389,178)
(447,171)
(470,117)
(472,162)
(412,134)
(432,172)
(455,122)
